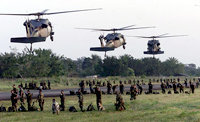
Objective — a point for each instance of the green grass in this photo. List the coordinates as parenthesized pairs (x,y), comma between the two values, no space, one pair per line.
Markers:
(162,107)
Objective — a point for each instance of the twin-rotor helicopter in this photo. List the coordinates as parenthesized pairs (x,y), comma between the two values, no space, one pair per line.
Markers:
(37,30)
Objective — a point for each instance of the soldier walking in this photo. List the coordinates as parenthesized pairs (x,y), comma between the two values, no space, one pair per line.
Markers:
(98,98)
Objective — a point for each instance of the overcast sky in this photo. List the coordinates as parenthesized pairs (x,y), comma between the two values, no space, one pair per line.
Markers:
(169,16)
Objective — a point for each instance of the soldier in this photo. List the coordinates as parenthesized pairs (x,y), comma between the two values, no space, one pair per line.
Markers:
(21,84)
(197,84)
(80,99)
(94,82)
(40,100)
(174,87)
(192,87)
(104,83)
(13,98)
(109,86)
(29,99)
(114,88)
(181,88)
(163,87)
(119,102)
(62,100)
(49,84)
(21,94)
(140,88)
(185,83)
(121,87)
(26,86)
(150,87)
(98,98)
(91,88)
(15,89)
(82,86)
(133,91)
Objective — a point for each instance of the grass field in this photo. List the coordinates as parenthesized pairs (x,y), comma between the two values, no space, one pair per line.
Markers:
(161,107)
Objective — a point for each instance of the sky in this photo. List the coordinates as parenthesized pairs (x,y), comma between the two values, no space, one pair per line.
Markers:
(176,17)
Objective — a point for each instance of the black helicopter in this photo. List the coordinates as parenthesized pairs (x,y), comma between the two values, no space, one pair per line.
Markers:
(112,40)
(37,30)
(154,44)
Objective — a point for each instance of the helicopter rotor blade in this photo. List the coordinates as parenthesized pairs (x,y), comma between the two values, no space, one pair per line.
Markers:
(95,29)
(44,12)
(127,26)
(72,11)
(136,28)
(116,29)
(171,36)
(161,36)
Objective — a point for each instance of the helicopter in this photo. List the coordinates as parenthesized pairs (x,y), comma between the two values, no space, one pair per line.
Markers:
(154,44)
(37,30)
(112,40)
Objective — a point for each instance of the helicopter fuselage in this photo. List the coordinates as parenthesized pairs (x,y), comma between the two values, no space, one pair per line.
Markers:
(38,28)
(153,45)
(112,40)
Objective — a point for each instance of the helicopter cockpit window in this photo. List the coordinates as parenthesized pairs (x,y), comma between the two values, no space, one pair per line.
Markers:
(116,38)
(44,26)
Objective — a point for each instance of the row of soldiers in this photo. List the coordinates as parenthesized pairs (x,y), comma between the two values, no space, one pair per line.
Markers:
(15,95)
(33,85)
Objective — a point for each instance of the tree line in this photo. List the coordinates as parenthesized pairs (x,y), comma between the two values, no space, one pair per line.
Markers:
(45,63)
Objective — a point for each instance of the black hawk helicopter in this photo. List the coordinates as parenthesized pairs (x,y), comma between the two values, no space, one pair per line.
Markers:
(154,44)
(37,30)
(112,40)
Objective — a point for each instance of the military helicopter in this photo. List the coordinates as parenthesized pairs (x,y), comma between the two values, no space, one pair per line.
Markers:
(37,30)
(112,40)
(154,44)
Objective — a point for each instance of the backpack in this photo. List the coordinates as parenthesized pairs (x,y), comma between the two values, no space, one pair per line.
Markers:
(90,108)
(72,109)
(2,109)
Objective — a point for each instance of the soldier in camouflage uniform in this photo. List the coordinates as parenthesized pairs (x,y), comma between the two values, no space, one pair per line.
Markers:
(40,100)
(13,98)
(98,98)
(29,99)
(80,99)
(119,102)
(133,91)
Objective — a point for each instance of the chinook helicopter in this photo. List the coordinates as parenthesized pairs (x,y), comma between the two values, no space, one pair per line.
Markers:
(37,30)
(154,44)
(112,40)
